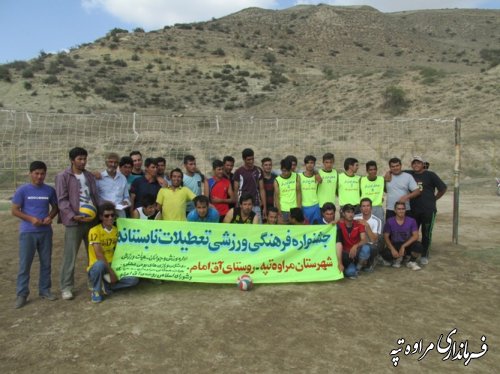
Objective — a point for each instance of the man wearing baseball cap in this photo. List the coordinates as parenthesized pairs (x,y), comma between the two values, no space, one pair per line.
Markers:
(423,206)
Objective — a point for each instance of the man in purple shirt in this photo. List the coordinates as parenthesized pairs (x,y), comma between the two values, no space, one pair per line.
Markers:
(74,186)
(401,239)
(35,204)
(248,180)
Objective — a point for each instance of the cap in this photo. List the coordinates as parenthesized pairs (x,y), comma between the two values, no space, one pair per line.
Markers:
(417,158)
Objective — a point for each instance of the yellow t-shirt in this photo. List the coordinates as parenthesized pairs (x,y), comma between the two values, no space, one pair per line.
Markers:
(106,238)
(173,202)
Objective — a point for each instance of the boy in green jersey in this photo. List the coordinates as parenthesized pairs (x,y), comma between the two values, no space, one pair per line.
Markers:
(287,193)
(327,187)
(372,187)
(348,187)
(309,188)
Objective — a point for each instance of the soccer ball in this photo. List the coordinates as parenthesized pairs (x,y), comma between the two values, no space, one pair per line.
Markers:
(244,282)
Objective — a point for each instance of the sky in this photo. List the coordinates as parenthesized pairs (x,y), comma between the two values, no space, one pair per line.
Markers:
(31,26)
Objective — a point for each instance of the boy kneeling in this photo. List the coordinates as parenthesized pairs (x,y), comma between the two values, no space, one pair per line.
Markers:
(102,243)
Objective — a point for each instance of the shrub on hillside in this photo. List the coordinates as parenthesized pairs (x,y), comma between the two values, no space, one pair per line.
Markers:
(51,79)
(219,52)
(395,101)
(5,74)
(491,55)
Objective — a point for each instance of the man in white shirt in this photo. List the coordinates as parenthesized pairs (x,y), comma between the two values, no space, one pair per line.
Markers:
(373,229)
(112,186)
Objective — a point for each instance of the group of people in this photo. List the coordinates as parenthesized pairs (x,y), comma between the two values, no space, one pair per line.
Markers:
(135,188)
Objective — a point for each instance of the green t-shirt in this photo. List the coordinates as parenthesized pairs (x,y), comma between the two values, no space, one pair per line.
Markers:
(373,190)
(349,189)
(288,192)
(308,188)
(327,189)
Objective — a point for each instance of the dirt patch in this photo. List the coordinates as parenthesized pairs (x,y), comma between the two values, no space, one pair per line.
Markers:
(344,326)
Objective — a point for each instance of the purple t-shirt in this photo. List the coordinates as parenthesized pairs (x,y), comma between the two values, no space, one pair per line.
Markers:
(400,233)
(35,201)
(248,180)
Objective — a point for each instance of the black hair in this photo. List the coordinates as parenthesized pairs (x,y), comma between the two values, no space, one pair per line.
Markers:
(217,164)
(35,165)
(149,161)
(348,162)
(309,158)
(286,164)
(148,199)
(188,158)
(370,164)
(126,160)
(201,199)
(77,151)
(328,206)
(246,197)
(394,160)
(247,152)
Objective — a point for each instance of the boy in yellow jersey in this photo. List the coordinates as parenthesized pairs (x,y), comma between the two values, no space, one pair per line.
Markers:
(308,189)
(372,187)
(327,188)
(286,191)
(102,242)
(348,188)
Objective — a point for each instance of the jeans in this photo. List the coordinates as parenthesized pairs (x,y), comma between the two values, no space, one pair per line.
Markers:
(29,243)
(73,236)
(97,271)
(350,263)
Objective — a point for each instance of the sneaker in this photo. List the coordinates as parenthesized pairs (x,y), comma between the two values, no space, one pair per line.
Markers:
(352,277)
(382,261)
(413,265)
(21,301)
(424,261)
(49,296)
(397,263)
(369,269)
(96,297)
(105,289)
(67,295)
(359,266)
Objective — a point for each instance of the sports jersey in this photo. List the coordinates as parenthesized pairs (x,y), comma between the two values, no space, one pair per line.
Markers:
(349,189)
(374,190)
(219,189)
(308,188)
(288,192)
(269,189)
(173,202)
(248,180)
(237,218)
(328,187)
(106,238)
(428,182)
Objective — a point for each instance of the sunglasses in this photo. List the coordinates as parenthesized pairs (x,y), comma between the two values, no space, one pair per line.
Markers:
(108,215)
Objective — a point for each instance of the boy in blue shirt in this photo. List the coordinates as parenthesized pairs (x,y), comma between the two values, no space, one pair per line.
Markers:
(35,204)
